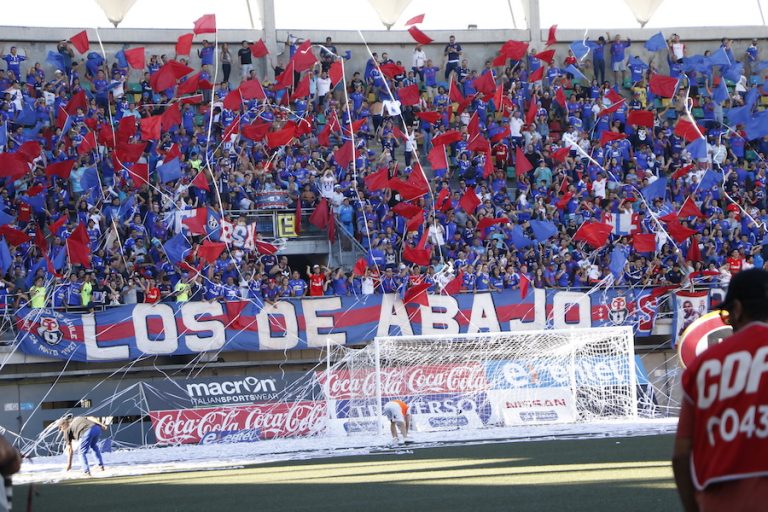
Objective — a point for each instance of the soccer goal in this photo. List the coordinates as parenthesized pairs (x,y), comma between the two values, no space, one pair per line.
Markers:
(484,380)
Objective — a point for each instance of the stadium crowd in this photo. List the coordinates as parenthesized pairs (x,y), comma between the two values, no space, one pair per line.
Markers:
(535,167)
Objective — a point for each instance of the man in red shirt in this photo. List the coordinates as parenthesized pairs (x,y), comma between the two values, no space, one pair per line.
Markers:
(317,280)
(152,293)
(735,262)
(721,451)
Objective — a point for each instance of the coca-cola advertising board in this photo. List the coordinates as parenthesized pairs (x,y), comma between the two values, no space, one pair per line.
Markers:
(404,381)
(272,420)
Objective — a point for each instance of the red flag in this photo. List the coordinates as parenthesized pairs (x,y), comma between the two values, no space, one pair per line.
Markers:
(345,154)
(259,49)
(13,165)
(546,56)
(564,185)
(487,222)
(79,254)
(485,84)
(430,117)
(266,247)
(689,209)
(613,96)
(688,130)
(40,241)
(561,154)
(551,37)
(533,109)
(88,144)
(135,58)
(139,174)
(303,59)
(78,101)
(499,61)
(443,202)
(522,165)
(413,223)
(608,136)
(210,251)
(678,232)
(189,85)
(200,182)
(417,294)
(391,70)
(419,36)
(593,233)
(503,134)
(407,210)
(302,88)
(415,20)
(80,42)
(252,89)
(336,72)
(80,234)
(126,129)
(297,219)
(641,118)
(437,157)
(55,226)
(514,50)
(256,131)
(173,152)
(609,110)
(280,137)
(233,100)
(525,283)
(61,169)
(171,117)
(320,218)
(498,96)
(14,236)
(469,201)
(563,202)
(454,285)
(448,137)
(560,98)
(694,253)
(30,150)
(184,44)
(284,79)
(129,153)
(377,180)
(361,265)
(682,171)
(644,242)
(150,127)
(197,222)
(663,86)
(478,143)
(409,95)
(206,24)
(419,254)
(536,75)
(454,93)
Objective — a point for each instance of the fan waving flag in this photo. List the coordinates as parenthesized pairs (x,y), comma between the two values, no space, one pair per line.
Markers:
(469,201)
(206,24)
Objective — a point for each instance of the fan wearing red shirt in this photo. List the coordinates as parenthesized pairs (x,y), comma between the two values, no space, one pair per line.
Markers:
(316,281)
(152,293)
(735,262)
(501,154)
(720,457)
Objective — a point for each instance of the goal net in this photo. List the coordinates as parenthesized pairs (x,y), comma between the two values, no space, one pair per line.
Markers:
(483,380)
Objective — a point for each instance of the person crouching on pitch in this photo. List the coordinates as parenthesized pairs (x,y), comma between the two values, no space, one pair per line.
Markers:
(87,430)
(396,411)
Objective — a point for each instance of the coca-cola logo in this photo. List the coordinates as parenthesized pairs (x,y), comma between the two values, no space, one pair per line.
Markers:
(413,380)
(271,420)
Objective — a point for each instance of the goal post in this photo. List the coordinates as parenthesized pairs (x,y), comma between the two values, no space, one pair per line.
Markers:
(474,381)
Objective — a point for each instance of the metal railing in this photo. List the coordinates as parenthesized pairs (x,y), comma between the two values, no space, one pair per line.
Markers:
(279,223)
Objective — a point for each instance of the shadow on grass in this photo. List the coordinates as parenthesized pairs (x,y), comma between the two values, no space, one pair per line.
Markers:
(607,474)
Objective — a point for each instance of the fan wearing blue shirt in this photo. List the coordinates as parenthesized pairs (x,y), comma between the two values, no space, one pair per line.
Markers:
(14,60)
(618,57)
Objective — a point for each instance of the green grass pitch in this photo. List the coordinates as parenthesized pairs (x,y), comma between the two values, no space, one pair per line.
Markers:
(622,474)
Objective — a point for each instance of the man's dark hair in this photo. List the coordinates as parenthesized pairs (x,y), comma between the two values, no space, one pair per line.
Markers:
(750,288)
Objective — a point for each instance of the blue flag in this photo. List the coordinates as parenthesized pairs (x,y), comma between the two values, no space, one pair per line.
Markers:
(56,60)
(751,98)
(734,72)
(169,171)
(90,179)
(6,218)
(213,225)
(739,115)
(575,72)
(126,208)
(719,58)
(543,230)
(176,248)
(30,279)
(26,116)
(697,148)
(618,261)
(37,202)
(60,260)
(721,92)
(710,179)
(656,43)
(580,49)
(519,240)
(757,127)
(3,134)
(6,260)
(657,189)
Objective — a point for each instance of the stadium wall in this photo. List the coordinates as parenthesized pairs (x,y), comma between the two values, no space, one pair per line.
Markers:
(479,45)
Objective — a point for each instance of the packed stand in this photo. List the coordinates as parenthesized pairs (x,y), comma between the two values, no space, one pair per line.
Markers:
(531,168)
